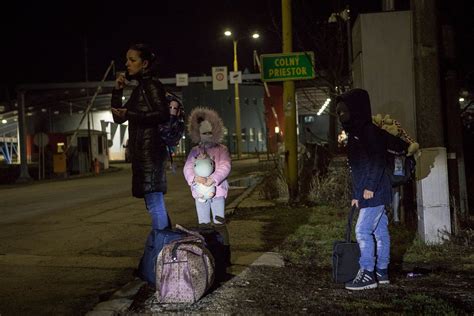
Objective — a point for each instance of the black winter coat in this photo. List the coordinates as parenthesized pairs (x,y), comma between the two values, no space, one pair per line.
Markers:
(148,152)
(366,151)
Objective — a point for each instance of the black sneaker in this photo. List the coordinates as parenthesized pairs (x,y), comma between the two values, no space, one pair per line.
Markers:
(363,281)
(382,276)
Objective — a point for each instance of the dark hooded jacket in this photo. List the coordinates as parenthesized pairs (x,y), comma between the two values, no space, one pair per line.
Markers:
(366,151)
(147,150)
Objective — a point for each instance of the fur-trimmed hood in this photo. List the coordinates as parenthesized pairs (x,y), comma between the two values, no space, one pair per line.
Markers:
(200,114)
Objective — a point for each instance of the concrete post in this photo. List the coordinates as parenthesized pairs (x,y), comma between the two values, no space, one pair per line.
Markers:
(24,174)
(434,220)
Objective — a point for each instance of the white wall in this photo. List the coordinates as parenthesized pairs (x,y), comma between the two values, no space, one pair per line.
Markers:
(117,134)
(383,64)
(101,121)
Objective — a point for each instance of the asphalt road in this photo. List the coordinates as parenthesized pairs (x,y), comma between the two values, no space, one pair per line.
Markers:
(64,244)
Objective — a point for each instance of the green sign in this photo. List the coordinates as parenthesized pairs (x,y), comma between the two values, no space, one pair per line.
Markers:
(289,66)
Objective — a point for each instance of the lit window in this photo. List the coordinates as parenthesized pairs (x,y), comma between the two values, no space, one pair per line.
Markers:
(251,134)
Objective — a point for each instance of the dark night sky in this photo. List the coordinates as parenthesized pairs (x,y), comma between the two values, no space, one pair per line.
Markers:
(45,43)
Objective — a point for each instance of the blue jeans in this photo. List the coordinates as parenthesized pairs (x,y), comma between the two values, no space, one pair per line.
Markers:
(373,223)
(155,204)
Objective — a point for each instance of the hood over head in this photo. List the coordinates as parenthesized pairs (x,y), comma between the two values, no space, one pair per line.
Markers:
(358,104)
(203,119)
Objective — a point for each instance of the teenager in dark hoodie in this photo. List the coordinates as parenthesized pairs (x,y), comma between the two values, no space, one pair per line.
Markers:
(370,185)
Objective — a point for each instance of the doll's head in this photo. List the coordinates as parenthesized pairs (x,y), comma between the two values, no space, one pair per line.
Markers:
(203,166)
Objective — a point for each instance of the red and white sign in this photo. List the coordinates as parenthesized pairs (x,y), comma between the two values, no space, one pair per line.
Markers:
(219,78)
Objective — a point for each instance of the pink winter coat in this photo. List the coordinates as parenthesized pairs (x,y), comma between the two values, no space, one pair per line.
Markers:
(222,160)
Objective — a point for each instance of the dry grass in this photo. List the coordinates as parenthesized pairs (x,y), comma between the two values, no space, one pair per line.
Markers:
(333,189)
(274,185)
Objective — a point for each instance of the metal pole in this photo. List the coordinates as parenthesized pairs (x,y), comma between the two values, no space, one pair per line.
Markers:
(257,60)
(91,168)
(349,47)
(291,141)
(238,130)
(42,158)
(39,157)
(24,175)
(90,105)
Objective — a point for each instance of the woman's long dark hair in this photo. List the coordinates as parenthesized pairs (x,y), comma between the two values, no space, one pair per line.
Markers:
(146,53)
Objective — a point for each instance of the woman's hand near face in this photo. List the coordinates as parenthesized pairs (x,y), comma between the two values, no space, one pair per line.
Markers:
(120,81)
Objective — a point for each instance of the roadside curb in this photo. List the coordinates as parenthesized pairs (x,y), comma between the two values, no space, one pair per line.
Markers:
(122,299)
(230,209)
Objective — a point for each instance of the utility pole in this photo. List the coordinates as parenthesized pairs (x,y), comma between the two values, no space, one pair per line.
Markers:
(238,129)
(432,173)
(456,162)
(291,141)
(89,134)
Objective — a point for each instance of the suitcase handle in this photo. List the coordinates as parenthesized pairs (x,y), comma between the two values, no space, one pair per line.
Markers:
(189,232)
(349,223)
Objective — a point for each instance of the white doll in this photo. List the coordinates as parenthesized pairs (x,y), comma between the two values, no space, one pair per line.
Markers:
(204,167)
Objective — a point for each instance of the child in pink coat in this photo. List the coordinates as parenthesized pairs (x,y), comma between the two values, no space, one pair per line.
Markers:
(206,129)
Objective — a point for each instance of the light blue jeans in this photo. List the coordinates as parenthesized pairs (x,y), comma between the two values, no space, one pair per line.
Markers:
(155,204)
(217,205)
(371,229)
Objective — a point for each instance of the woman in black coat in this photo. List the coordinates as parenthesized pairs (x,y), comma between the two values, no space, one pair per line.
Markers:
(145,110)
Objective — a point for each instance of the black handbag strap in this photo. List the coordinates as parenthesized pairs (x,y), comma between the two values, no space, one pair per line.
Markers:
(349,223)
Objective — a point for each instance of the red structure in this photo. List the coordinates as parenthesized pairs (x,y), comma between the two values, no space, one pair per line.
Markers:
(274,116)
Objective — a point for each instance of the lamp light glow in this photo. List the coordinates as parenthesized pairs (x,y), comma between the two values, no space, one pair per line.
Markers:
(321,110)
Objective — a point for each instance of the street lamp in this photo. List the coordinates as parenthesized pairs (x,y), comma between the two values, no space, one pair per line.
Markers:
(238,130)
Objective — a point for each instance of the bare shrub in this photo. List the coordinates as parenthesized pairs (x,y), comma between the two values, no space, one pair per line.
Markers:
(274,185)
(333,189)
(464,237)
